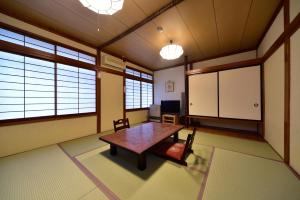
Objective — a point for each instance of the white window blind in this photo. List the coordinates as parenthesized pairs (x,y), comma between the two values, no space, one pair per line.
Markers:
(146,94)
(87,91)
(133,91)
(39,88)
(24,40)
(76,90)
(27,87)
(67,89)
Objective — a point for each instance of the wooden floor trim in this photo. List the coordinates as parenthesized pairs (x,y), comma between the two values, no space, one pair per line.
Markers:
(101,186)
(204,181)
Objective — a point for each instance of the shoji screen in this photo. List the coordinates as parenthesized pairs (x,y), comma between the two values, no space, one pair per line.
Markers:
(203,94)
(240,94)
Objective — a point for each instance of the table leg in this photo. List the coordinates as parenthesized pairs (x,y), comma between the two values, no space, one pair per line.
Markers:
(142,162)
(113,150)
(175,137)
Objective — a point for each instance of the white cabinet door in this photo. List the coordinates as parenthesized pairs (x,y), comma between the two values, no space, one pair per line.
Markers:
(203,94)
(239,93)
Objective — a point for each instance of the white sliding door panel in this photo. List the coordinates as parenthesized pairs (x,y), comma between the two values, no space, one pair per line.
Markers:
(203,94)
(239,93)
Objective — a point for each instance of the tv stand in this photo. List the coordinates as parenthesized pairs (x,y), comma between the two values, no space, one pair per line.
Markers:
(170,118)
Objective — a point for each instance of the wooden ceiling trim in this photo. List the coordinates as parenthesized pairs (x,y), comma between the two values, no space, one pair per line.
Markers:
(189,30)
(234,65)
(44,27)
(246,24)
(144,21)
(208,58)
(218,32)
(280,5)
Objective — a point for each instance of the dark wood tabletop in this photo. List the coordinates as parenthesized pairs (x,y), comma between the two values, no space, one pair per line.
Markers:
(140,138)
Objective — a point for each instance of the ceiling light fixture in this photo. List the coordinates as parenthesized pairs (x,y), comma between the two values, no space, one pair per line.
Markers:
(171,51)
(105,7)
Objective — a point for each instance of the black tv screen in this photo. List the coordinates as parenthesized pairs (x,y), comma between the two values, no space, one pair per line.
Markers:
(172,106)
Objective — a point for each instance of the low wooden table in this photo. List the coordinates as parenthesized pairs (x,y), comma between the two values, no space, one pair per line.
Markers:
(141,138)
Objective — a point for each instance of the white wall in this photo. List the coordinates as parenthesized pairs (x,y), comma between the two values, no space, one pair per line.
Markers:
(226,59)
(273,33)
(173,74)
(274,100)
(295,102)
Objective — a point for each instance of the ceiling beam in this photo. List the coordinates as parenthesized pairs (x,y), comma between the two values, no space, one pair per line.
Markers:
(141,23)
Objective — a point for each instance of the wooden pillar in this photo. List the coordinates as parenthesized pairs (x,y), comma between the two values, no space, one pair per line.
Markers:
(186,91)
(98,91)
(287,77)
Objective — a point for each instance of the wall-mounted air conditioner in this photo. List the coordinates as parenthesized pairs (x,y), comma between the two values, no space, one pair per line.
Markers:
(112,62)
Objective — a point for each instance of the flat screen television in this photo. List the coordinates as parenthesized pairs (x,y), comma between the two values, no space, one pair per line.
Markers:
(172,106)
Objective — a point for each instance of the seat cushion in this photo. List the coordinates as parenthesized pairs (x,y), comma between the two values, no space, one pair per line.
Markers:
(170,149)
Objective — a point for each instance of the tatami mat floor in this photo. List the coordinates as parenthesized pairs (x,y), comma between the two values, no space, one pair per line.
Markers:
(222,167)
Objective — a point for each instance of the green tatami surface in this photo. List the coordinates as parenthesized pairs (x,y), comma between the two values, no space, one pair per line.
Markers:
(236,176)
(84,144)
(240,169)
(161,180)
(45,173)
(245,146)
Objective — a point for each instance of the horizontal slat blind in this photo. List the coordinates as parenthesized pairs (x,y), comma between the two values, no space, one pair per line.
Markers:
(146,94)
(24,40)
(87,91)
(76,90)
(62,51)
(11,86)
(67,89)
(27,88)
(20,39)
(133,91)
(39,45)
(39,88)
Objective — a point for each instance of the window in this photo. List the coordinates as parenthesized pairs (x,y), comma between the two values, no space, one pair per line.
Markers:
(39,88)
(133,72)
(27,88)
(62,51)
(30,42)
(133,94)
(23,40)
(146,94)
(76,90)
(138,90)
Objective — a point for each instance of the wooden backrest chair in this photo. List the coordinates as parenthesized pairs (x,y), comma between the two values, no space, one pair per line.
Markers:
(121,124)
(175,151)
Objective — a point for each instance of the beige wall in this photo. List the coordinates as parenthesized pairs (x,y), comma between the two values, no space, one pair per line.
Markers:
(19,138)
(274,100)
(294,9)
(295,103)
(30,28)
(273,33)
(111,99)
(226,59)
(137,116)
